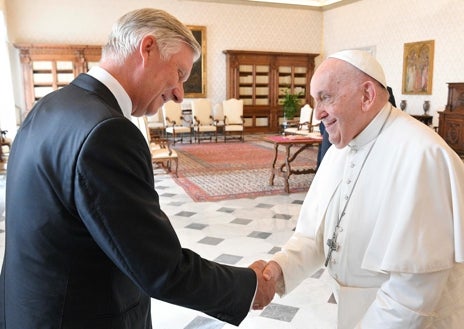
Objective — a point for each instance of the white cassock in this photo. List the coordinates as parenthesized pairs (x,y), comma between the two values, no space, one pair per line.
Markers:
(401,240)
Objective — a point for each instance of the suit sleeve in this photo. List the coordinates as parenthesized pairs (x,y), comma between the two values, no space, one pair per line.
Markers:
(116,199)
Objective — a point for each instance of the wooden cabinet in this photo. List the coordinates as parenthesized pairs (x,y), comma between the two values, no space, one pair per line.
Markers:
(260,79)
(451,120)
(47,67)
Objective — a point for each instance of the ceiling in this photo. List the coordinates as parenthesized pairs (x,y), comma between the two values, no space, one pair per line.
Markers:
(308,4)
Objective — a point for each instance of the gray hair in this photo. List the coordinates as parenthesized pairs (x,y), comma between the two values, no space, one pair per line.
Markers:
(130,29)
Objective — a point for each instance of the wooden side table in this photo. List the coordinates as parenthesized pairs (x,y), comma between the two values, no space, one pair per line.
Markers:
(285,169)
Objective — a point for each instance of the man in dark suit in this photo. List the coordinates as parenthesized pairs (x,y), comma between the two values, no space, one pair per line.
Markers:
(87,244)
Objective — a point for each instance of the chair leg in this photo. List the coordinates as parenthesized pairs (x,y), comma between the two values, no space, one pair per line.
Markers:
(176,160)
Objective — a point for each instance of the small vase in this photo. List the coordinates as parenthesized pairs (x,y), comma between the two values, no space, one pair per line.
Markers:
(403,105)
(426,107)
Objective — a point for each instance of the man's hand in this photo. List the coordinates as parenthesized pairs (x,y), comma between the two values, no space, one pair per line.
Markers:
(266,287)
(273,272)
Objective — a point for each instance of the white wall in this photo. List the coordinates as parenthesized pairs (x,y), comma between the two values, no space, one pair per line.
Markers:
(7,118)
(387,25)
(228,27)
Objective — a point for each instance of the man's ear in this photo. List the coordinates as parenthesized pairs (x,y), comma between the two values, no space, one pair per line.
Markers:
(148,47)
(368,95)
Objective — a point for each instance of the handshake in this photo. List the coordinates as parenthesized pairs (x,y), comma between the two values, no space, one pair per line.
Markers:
(270,281)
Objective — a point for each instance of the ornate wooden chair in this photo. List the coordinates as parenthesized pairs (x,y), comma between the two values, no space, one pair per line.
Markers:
(218,116)
(156,124)
(203,122)
(233,119)
(5,144)
(162,155)
(175,124)
(307,124)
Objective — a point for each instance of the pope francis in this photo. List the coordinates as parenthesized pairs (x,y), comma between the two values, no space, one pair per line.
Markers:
(385,212)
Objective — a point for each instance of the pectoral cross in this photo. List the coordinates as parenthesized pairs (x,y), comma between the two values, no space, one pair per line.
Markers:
(333,246)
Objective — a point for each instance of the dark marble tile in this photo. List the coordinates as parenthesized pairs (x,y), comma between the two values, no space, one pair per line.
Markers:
(318,274)
(160,187)
(227,210)
(282,216)
(211,241)
(167,195)
(241,221)
(274,250)
(186,214)
(259,235)
(264,205)
(228,259)
(176,203)
(201,322)
(196,226)
(332,299)
(280,312)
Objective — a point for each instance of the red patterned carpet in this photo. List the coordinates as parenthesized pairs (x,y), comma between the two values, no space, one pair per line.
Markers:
(219,171)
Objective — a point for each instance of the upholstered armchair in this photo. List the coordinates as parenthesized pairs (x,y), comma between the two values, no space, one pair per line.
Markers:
(175,124)
(306,125)
(162,155)
(156,124)
(218,116)
(5,144)
(233,119)
(203,122)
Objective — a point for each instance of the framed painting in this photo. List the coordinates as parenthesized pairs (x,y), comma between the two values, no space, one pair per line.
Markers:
(418,67)
(195,86)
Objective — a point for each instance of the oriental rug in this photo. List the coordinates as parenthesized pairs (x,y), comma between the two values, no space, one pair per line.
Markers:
(220,171)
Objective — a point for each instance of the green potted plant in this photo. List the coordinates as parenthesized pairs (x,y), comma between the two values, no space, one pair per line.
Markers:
(291,104)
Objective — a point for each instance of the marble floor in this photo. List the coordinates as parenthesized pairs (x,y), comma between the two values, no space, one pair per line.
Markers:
(237,232)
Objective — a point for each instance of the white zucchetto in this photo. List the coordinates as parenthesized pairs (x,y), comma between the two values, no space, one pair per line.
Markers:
(363,61)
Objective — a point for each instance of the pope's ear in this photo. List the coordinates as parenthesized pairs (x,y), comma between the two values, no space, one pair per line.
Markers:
(368,95)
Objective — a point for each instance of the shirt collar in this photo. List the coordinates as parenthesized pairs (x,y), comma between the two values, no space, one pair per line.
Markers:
(372,130)
(115,87)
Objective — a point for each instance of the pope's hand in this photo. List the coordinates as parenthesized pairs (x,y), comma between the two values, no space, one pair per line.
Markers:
(273,272)
(266,287)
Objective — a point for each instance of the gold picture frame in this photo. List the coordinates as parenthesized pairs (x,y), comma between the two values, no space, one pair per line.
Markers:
(418,67)
(195,86)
